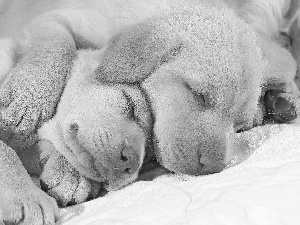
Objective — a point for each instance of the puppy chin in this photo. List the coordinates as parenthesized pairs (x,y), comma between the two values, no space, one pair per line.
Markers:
(115,183)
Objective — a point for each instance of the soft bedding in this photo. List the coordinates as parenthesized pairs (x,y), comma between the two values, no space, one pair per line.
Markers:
(264,189)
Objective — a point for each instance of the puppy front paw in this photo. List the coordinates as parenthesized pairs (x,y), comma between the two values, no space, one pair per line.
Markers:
(63,182)
(27,205)
(32,89)
(21,202)
(24,105)
(281,107)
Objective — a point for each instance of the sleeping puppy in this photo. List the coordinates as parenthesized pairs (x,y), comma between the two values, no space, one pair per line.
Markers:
(204,92)
(182,137)
(102,130)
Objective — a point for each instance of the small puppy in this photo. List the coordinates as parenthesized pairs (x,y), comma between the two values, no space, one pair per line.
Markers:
(102,130)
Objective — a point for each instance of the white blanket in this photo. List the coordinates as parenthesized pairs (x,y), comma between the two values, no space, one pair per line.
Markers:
(265,189)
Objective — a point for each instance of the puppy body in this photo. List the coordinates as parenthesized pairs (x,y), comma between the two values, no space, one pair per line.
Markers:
(94,127)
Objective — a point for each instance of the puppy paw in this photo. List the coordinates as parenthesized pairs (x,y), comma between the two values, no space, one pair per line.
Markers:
(280,107)
(23,105)
(27,205)
(21,202)
(30,92)
(63,182)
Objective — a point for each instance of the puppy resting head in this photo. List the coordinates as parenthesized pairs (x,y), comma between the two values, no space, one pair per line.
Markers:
(101,129)
(203,71)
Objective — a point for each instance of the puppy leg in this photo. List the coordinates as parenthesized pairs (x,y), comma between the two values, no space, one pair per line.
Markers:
(281,95)
(31,90)
(20,199)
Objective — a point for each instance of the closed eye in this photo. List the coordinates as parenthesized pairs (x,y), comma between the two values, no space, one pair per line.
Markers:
(130,108)
(239,128)
(200,98)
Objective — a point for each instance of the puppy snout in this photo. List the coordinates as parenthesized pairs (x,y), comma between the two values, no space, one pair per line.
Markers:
(210,166)
(128,163)
(44,186)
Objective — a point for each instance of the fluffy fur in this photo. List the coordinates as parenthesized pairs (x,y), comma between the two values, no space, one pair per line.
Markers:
(267,16)
(42,47)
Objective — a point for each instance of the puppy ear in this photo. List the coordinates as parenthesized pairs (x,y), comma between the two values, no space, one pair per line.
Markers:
(135,53)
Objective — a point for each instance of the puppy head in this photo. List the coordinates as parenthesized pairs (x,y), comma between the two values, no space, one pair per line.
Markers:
(101,129)
(202,93)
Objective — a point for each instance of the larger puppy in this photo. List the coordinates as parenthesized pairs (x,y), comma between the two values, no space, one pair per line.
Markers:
(45,58)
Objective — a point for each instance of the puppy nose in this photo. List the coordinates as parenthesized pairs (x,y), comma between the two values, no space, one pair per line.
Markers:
(128,163)
(209,166)
(44,186)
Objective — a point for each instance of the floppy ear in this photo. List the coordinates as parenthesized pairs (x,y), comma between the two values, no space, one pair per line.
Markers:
(135,53)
